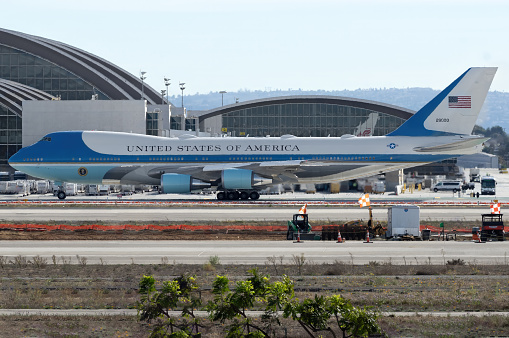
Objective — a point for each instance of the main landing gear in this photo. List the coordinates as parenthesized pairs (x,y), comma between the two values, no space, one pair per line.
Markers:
(235,195)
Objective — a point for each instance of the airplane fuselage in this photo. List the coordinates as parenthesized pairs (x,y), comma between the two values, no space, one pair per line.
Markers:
(107,157)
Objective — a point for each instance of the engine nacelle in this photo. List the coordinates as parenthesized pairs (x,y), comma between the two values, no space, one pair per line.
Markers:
(242,179)
(180,184)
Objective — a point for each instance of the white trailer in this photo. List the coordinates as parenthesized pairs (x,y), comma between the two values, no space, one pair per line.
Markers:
(42,187)
(11,188)
(403,220)
(92,189)
(103,189)
(3,187)
(22,188)
(71,189)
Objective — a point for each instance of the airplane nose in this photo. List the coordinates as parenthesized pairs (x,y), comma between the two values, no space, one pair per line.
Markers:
(15,158)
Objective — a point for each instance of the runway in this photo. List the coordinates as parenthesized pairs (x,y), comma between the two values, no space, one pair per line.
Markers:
(257,252)
(224,213)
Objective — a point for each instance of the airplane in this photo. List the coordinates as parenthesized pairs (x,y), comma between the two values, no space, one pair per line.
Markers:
(238,167)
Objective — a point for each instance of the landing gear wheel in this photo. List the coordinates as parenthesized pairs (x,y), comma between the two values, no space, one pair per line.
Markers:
(61,195)
(220,196)
(254,195)
(244,195)
(233,195)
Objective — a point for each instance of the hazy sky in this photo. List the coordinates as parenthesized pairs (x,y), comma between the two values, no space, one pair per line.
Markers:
(279,44)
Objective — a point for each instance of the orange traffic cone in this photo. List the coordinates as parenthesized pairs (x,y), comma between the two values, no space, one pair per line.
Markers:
(298,236)
(367,237)
(479,237)
(340,240)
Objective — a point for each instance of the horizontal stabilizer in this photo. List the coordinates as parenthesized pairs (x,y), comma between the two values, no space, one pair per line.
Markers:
(464,144)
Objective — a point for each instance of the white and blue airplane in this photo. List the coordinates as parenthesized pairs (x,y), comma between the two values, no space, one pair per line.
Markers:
(238,167)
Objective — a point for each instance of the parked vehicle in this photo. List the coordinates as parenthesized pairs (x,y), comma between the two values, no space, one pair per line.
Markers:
(453,186)
(71,189)
(18,175)
(42,187)
(104,189)
(475,174)
(22,187)
(488,185)
(92,190)
(5,176)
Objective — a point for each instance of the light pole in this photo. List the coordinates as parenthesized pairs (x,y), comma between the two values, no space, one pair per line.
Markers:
(167,83)
(142,77)
(162,95)
(181,84)
(222,92)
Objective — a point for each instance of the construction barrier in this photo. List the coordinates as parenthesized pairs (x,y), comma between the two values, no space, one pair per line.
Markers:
(215,203)
(329,232)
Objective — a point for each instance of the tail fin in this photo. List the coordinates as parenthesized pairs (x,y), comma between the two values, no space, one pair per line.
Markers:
(454,110)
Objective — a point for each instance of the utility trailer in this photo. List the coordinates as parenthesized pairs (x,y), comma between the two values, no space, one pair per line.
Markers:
(492,227)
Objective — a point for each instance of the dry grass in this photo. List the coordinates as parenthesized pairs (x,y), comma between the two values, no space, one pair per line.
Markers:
(71,283)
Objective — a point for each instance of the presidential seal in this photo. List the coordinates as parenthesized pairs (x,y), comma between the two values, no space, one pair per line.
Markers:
(82,171)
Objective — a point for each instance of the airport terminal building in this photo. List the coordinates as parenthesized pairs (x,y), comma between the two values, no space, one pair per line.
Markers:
(47,86)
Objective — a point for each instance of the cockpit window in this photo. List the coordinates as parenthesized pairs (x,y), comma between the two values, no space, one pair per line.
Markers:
(46,138)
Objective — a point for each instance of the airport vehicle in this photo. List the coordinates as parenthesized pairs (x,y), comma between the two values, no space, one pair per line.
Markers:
(451,185)
(475,174)
(492,227)
(5,176)
(71,189)
(18,175)
(488,185)
(104,189)
(299,226)
(42,187)
(238,167)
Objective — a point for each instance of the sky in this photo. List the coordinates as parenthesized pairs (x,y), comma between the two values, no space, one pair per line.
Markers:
(236,45)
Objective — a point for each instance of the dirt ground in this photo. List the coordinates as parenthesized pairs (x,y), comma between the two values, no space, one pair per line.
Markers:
(59,284)
(142,235)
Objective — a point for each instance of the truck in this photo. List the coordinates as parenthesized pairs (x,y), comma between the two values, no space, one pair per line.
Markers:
(488,185)
(492,227)
(475,174)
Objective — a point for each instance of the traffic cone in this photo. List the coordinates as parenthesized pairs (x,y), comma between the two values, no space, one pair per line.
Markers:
(479,237)
(367,237)
(340,240)
(298,237)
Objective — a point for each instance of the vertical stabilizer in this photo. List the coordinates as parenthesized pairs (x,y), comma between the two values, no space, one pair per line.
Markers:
(455,109)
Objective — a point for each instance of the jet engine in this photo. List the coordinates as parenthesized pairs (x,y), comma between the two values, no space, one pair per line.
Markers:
(242,179)
(179,183)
